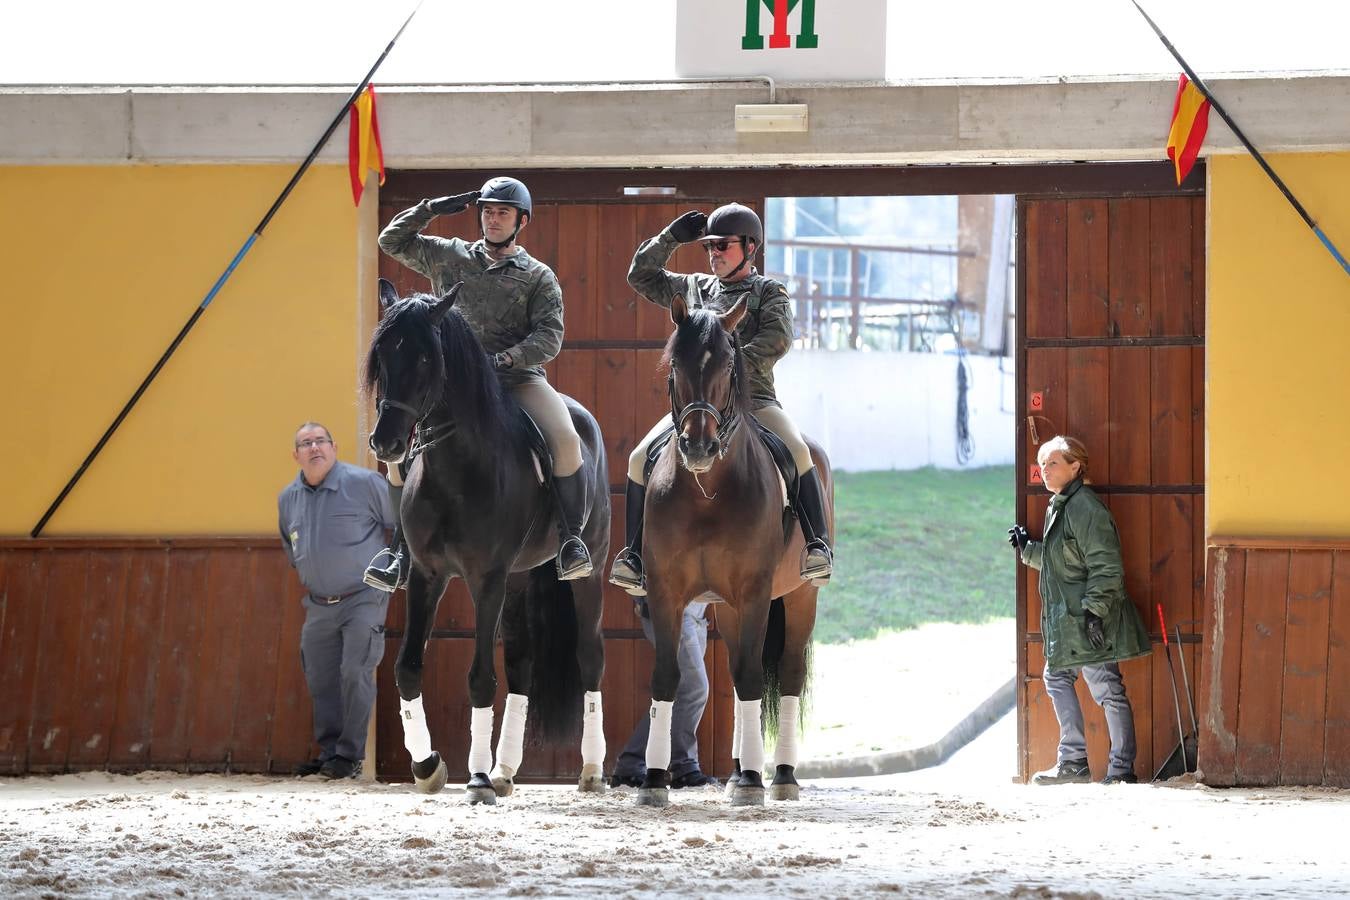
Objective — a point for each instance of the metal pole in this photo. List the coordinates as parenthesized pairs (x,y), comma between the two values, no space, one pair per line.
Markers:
(220,282)
(1256,154)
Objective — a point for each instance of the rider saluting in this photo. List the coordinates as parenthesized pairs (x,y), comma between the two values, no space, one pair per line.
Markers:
(513,303)
(732,235)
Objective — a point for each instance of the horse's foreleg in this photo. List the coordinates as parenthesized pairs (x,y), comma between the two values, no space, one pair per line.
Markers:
(800,613)
(511,741)
(587,600)
(488,596)
(423,596)
(747,673)
(655,790)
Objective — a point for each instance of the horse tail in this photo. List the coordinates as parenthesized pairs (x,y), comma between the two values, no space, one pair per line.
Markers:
(555,676)
(775,641)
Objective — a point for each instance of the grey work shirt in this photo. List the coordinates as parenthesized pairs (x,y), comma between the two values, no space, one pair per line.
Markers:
(512,304)
(332,531)
(766,330)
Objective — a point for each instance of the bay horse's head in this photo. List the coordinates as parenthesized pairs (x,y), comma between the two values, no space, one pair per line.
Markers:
(405,367)
(706,381)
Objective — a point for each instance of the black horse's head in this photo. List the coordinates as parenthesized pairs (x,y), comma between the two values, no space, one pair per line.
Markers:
(405,366)
(706,381)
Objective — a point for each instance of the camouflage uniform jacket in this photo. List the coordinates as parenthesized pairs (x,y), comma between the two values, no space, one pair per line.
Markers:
(512,304)
(766,330)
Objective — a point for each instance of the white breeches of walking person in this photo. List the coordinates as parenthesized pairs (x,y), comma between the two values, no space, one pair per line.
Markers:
(771,417)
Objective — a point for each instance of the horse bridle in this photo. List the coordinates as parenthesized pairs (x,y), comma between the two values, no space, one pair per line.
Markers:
(727,421)
(424,436)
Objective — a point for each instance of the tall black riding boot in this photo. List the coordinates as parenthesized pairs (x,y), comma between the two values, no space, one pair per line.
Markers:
(818,560)
(627,569)
(574,560)
(388,570)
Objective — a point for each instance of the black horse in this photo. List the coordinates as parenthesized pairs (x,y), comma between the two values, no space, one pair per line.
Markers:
(476,505)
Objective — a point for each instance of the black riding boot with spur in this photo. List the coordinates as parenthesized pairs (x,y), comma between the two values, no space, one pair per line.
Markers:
(627,569)
(388,571)
(574,560)
(818,559)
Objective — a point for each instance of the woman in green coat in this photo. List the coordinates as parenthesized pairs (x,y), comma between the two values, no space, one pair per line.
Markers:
(1088,624)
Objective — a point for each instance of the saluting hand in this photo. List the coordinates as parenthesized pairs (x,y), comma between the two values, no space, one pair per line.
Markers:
(689,227)
(445,206)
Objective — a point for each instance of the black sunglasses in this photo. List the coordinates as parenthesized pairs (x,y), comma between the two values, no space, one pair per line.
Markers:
(722,245)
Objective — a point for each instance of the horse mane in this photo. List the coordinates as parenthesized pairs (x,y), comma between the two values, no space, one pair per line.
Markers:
(469,387)
(688,342)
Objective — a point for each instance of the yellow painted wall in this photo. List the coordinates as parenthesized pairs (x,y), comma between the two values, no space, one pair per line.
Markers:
(100,267)
(1278,349)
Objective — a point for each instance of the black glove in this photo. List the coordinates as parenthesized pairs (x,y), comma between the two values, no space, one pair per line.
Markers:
(445,206)
(502,360)
(689,227)
(1095,635)
(1018,537)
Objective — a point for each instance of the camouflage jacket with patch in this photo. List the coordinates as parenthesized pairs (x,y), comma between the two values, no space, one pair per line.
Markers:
(512,304)
(766,330)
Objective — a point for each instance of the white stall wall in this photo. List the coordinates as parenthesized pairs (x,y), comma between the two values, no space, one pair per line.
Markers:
(897,410)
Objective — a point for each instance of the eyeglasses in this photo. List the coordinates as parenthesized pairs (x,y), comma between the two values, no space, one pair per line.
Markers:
(313,442)
(720,246)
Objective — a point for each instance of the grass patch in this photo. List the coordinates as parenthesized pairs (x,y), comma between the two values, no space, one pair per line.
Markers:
(927,545)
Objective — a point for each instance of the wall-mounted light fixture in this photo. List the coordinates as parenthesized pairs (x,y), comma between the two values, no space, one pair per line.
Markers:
(752,117)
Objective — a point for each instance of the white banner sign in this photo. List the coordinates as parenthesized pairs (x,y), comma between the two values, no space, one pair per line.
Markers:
(793,40)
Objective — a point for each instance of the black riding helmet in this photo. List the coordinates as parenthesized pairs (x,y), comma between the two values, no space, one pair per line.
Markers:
(508,192)
(735,221)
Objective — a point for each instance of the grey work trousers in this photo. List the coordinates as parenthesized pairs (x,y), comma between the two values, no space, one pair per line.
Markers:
(690,699)
(340,647)
(1108,690)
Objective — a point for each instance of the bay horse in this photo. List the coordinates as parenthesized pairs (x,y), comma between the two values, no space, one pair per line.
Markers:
(716,524)
(476,505)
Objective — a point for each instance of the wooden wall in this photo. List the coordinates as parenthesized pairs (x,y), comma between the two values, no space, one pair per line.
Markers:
(1275,709)
(1112,351)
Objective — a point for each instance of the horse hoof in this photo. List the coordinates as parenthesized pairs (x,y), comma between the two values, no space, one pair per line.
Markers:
(591,782)
(745,795)
(785,792)
(480,790)
(655,797)
(503,787)
(430,775)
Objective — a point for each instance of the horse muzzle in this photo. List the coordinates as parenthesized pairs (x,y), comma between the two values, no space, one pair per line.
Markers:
(388,450)
(698,455)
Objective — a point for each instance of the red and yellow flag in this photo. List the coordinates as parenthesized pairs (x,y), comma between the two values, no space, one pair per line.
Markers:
(1190,120)
(363,145)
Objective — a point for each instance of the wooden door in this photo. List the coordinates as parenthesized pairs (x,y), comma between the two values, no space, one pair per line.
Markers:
(1111,350)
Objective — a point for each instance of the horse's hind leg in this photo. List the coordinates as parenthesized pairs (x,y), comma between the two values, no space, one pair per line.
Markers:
(587,596)
(428,769)
(800,620)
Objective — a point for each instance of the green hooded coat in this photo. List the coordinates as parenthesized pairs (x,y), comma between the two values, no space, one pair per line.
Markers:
(1080,566)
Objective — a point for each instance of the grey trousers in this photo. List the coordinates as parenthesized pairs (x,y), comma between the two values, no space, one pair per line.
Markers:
(690,699)
(340,647)
(1108,690)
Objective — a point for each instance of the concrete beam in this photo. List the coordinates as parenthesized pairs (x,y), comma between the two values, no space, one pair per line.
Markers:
(679,125)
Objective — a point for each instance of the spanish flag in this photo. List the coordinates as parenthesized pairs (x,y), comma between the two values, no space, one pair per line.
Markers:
(363,146)
(1190,120)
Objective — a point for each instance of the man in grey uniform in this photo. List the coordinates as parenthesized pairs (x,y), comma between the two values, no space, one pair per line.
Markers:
(332,517)
(513,303)
(630,769)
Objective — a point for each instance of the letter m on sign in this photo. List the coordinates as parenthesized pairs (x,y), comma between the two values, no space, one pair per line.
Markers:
(806,37)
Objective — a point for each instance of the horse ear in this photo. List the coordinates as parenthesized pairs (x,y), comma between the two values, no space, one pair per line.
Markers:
(442,306)
(732,317)
(678,310)
(388,295)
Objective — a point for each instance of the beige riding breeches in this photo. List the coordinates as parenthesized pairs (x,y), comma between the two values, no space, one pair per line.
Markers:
(550,413)
(771,417)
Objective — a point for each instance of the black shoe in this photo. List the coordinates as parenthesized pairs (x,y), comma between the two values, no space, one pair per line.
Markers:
(693,779)
(633,781)
(308,768)
(574,560)
(386,571)
(627,573)
(1071,772)
(1122,778)
(340,767)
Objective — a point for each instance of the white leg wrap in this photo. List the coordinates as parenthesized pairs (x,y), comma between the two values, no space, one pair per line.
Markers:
(512,739)
(658,738)
(415,735)
(752,739)
(592,730)
(785,754)
(480,740)
(736,727)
